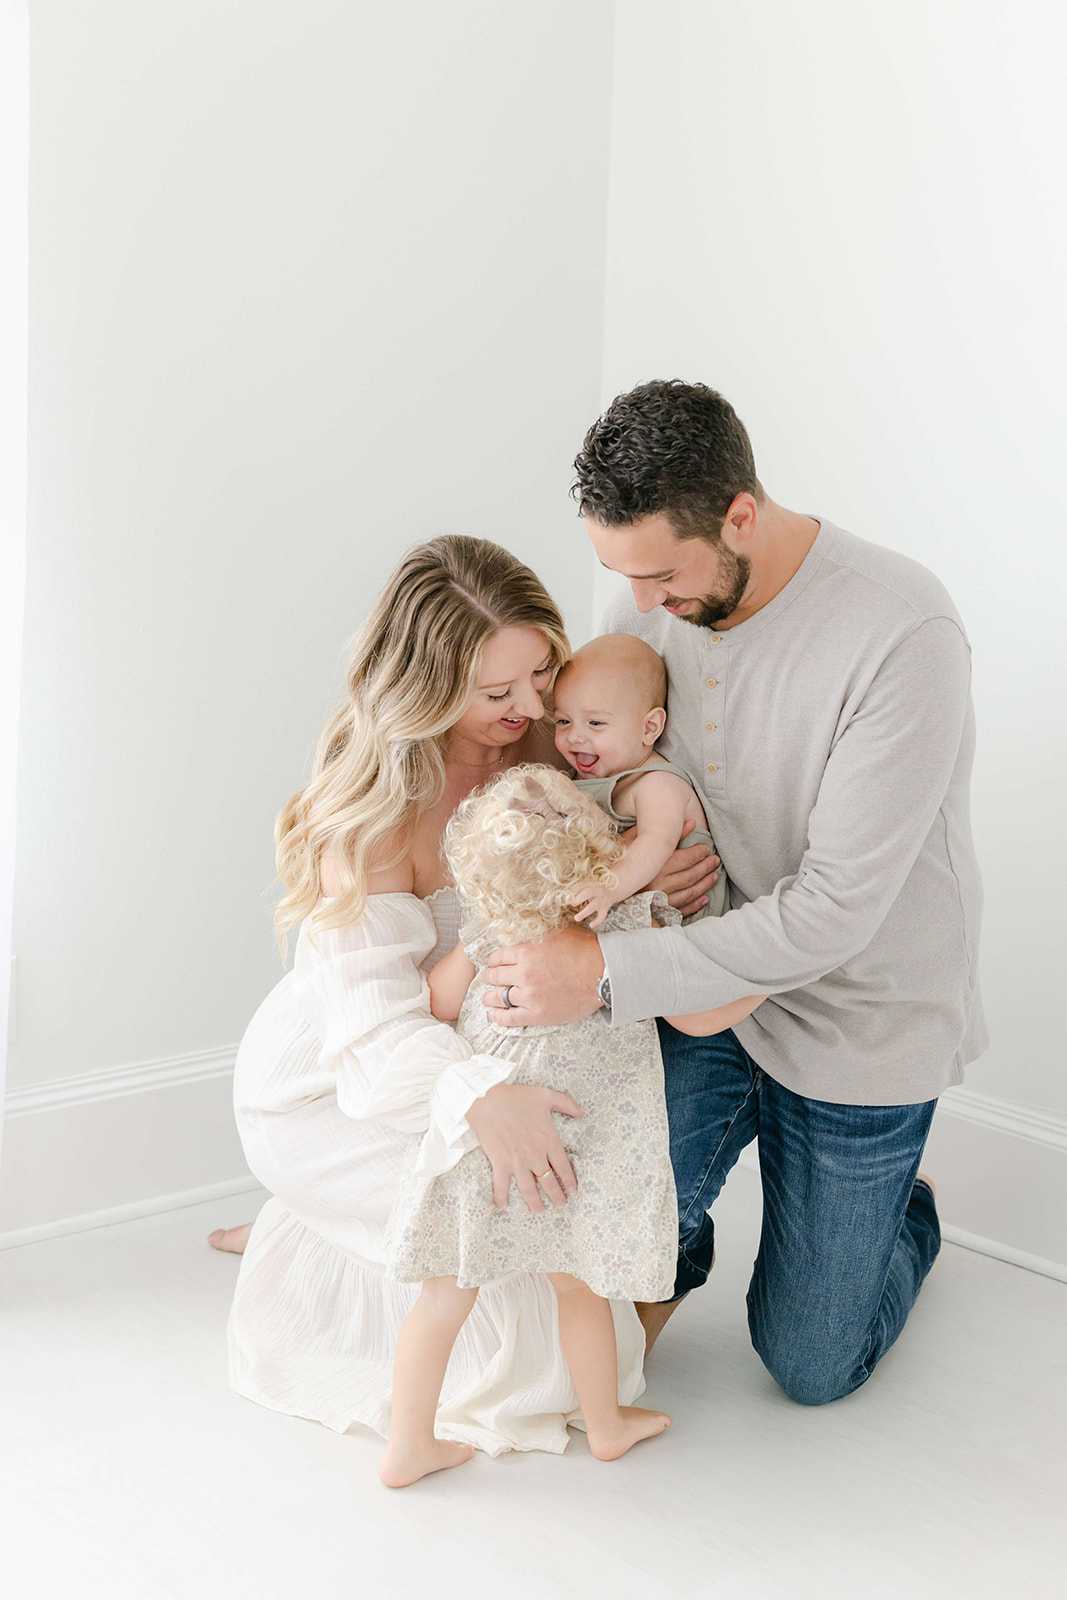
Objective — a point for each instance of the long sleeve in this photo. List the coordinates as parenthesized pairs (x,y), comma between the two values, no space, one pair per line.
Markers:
(884,783)
(360,990)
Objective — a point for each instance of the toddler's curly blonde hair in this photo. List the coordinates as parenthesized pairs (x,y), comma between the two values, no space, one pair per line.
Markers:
(518,848)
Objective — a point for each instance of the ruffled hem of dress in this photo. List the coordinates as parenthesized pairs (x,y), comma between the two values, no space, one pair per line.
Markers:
(313,1329)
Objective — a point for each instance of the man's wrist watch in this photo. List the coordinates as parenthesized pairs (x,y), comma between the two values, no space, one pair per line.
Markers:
(603,990)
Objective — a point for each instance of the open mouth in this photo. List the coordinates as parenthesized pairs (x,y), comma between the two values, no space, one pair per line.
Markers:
(584,763)
(513,724)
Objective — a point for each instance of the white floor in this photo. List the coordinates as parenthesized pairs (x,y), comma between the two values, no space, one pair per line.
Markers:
(129,1471)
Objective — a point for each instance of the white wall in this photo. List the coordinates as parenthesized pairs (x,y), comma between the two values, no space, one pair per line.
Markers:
(309,283)
(14,146)
(850,218)
(312,282)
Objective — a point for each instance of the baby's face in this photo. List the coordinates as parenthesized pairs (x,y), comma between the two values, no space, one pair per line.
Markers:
(600,722)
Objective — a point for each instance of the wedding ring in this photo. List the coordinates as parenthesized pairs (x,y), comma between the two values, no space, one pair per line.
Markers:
(505,998)
(548,1173)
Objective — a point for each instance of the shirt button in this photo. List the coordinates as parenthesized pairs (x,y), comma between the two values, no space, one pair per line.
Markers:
(716,638)
(710,726)
(711,683)
(712,767)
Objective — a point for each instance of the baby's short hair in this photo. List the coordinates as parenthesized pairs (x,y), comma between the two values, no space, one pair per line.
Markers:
(624,653)
(519,847)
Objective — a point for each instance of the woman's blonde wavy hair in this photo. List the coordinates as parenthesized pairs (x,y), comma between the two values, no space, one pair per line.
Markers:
(412,671)
(518,849)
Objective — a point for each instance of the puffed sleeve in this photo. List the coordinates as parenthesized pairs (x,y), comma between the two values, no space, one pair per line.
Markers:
(360,990)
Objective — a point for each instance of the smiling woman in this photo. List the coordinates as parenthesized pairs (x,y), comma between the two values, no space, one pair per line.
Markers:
(461,633)
(516,669)
(343,1061)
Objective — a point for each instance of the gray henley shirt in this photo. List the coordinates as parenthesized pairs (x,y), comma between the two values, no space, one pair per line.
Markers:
(831,737)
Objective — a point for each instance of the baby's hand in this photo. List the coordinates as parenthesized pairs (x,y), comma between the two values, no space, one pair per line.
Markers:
(593,901)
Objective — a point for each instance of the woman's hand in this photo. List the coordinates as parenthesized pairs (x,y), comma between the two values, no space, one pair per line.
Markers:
(513,1124)
(689,876)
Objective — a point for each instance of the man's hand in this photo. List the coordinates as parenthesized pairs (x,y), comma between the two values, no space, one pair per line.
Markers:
(513,1124)
(689,876)
(550,982)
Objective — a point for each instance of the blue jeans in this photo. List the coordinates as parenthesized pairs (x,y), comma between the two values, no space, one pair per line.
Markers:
(848,1235)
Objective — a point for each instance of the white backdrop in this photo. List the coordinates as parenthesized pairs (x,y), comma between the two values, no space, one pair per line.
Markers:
(851,219)
(14,139)
(310,283)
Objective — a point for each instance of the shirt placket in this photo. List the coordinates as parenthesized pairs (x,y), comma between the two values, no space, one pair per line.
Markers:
(716,660)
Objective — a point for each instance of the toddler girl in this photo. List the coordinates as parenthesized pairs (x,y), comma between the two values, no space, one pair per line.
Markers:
(609,713)
(516,852)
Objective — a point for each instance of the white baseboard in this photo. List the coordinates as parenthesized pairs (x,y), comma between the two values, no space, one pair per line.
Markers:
(118,1144)
(1033,1123)
(1003,1252)
(158,1135)
(131,1212)
(165,1073)
(1001,1175)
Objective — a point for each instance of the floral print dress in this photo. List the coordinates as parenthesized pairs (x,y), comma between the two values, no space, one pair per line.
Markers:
(619,1233)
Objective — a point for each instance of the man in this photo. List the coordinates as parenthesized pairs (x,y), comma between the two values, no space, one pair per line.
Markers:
(819,692)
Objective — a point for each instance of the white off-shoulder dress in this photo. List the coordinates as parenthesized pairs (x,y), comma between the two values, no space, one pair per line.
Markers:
(340,1068)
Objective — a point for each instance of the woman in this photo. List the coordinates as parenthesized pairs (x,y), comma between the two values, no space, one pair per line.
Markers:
(339,1065)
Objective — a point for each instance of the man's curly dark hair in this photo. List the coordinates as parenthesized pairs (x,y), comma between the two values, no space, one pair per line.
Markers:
(667,446)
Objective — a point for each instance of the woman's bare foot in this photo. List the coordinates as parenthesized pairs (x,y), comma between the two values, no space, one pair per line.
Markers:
(922,1177)
(634,1423)
(401,1466)
(231,1239)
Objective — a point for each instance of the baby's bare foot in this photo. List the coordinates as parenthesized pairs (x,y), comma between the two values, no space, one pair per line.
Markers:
(401,1466)
(231,1239)
(632,1425)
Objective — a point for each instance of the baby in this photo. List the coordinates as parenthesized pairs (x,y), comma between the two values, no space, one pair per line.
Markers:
(609,713)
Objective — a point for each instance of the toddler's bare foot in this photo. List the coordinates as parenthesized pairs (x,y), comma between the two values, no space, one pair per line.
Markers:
(231,1239)
(633,1424)
(922,1177)
(403,1465)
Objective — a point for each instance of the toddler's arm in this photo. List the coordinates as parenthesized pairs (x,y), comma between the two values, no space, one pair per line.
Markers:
(449,980)
(701,1023)
(659,801)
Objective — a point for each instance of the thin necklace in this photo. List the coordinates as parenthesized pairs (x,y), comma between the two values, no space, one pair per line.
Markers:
(480,766)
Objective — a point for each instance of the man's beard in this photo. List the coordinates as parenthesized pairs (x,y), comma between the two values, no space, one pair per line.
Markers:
(711,609)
